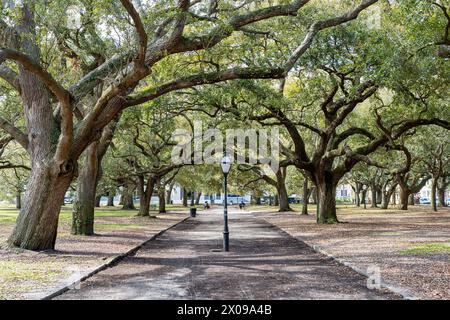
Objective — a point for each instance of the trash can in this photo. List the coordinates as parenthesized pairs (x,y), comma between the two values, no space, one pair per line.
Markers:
(193,212)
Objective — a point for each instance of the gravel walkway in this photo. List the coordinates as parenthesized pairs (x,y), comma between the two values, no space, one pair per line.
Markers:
(263,263)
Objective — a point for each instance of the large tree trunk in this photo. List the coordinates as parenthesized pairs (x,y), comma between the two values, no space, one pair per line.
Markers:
(404,194)
(51,171)
(327,199)
(441,197)
(37,224)
(192,195)
(110,199)
(379,195)
(84,206)
(357,198)
(283,197)
(276,201)
(128,202)
(373,192)
(185,197)
(97,201)
(386,196)
(407,190)
(433,193)
(385,200)
(162,199)
(305,196)
(18,200)
(145,195)
(144,207)
(357,190)
(283,202)
(197,200)
(127,196)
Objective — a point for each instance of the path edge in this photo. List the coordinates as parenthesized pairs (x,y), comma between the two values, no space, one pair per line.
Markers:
(110,263)
(403,292)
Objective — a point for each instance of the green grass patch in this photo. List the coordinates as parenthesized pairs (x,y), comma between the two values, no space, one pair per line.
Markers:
(7,216)
(110,226)
(6,219)
(18,277)
(7,212)
(428,248)
(25,271)
(115,213)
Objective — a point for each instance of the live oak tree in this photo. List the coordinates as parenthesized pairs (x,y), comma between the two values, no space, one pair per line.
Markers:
(154,175)
(443,184)
(437,35)
(410,182)
(14,163)
(379,179)
(244,184)
(144,149)
(386,181)
(435,156)
(206,179)
(369,177)
(359,178)
(10,117)
(334,83)
(115,180)
(298,183)
(14,170)
(276,179)
(58,130)
(88,179)
(387,190)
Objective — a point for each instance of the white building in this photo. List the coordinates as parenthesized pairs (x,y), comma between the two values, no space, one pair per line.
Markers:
(212,198)
(425,192)
(344,192)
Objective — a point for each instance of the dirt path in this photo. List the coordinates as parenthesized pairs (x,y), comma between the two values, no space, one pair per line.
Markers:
(263,263)
(410,248)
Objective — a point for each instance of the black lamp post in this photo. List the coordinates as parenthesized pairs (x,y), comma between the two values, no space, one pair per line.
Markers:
(225,163)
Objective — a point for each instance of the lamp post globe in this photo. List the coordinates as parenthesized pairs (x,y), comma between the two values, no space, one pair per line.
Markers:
(225,164)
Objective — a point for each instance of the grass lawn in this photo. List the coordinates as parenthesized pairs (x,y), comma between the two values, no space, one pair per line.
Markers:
(428,248)
(8,214)
(26,274)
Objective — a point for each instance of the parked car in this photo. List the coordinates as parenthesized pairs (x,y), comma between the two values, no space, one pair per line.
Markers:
(294,200)
(235,199)
(425,201)
(68,200)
